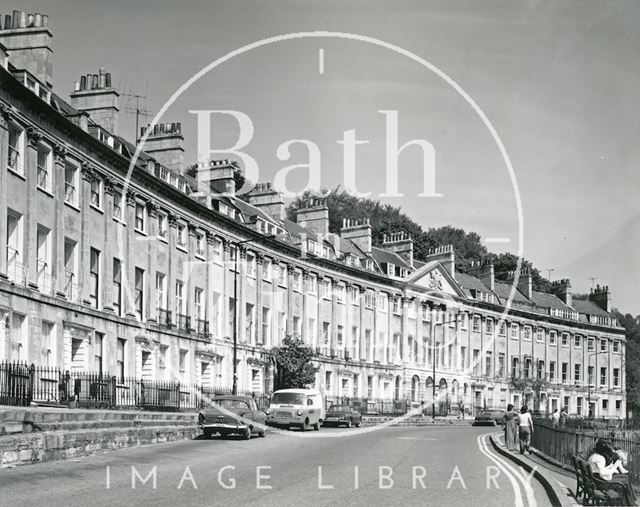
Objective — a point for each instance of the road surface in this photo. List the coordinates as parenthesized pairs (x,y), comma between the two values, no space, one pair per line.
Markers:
(441,465)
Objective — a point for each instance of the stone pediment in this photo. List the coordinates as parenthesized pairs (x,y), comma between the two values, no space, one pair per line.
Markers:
(435,278)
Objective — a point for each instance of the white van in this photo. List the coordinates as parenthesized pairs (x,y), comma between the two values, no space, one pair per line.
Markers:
(301,408)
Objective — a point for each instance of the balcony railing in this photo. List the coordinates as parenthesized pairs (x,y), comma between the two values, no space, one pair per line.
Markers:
(16,270)
(45,280)
(43,177)
(202,326)
(183,322)
(164,316)
(70,193)
(70,285)
(13,159)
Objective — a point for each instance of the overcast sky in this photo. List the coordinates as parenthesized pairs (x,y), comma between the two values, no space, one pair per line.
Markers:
(559,80)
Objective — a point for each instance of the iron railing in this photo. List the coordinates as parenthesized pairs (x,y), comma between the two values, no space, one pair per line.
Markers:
(16,270)
(202,326)
(183,322)
(164,317)
(564,442)
(21,384)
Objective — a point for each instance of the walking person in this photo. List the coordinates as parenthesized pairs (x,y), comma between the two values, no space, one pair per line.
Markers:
(511,428)
(555,418)
(526,429)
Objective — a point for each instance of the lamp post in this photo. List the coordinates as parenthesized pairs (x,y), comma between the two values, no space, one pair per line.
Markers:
(235,312)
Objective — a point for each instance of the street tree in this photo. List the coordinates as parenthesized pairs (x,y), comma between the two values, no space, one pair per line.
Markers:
(293,363)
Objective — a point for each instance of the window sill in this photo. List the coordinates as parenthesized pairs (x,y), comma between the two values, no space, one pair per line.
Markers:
(120,221)
(46,191)
(72,205)
(141,232)
(182,248)
(97,208)
(163,239)
(16,173)
(200,256)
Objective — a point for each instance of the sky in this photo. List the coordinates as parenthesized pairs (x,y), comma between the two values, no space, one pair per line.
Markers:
(558,80)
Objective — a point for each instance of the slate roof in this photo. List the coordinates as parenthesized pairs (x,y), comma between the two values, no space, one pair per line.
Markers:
(503,290)
(549,301)
(385,257)
(587,307)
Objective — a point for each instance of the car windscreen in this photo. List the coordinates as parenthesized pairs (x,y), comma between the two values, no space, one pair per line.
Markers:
(340,407)
(288,399)
(231,403)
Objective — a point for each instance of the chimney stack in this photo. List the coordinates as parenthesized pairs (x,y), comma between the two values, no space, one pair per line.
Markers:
(445,255)
(602,297)
(358,231)
(485,272)
(400,243)
(28,42)
(315,216)
(268,200)
(215,176)
(525,282)
(166,144)
(562,289)
(94,96)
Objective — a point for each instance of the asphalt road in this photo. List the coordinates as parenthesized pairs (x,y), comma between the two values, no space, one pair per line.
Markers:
(442,465)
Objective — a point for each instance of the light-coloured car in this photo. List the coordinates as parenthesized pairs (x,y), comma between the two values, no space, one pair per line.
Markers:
(233,415)
(301,408)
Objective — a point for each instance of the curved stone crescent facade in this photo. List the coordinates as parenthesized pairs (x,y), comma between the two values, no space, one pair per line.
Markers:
(136,277)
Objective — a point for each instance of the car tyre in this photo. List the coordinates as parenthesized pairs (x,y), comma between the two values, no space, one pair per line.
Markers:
(348,425)
(207,434)
(358,424)
(262,433)
(246,435)
(316,426)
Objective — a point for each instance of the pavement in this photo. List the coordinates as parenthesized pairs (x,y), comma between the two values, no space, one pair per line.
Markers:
(553,475)
(436,465)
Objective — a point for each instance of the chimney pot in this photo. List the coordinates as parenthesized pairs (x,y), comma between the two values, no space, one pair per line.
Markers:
(94,81)
(38,19)
(45,20)
(107,80)
(83,82)
(22,23)
(16,19)
(7,21)
(30,20)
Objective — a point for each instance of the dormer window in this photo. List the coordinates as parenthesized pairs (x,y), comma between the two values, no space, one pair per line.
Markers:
(391,269)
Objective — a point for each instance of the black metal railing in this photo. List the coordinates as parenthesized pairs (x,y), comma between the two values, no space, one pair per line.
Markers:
(164,317)
(183,322)
(202,326)
(21,384)
(563,442)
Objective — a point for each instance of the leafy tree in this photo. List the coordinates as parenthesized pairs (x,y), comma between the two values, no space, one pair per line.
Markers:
(385,218)
(632,360)
(293,364)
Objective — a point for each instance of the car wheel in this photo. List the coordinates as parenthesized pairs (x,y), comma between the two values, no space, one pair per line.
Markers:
(495,423)
(246,435)
(262,433)
(208,434)
(348,425)
(359,423)
(316,426)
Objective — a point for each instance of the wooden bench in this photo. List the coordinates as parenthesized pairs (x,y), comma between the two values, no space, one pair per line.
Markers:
(591,490)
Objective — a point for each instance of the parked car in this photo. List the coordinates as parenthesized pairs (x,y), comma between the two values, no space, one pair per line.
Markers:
(233,415)
(301,408)
(339,415)
(490,417)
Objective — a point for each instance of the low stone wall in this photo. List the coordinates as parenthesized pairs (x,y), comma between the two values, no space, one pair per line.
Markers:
(28,448)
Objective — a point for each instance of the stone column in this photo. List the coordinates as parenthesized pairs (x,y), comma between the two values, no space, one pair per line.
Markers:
(305,309)
(152,260)
(59,154)
(110,246)
(30,225)
(258,330)
(334,317)
(404,352)
(5,336)
(290,269)
(128,266)
(241,256)
(170,277)
(6,114)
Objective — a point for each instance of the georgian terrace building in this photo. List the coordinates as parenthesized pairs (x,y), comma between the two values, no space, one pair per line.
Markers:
(146,275)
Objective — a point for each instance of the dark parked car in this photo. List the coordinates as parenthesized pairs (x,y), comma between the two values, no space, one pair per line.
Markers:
(490,417)
(233,415)
(339,415)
